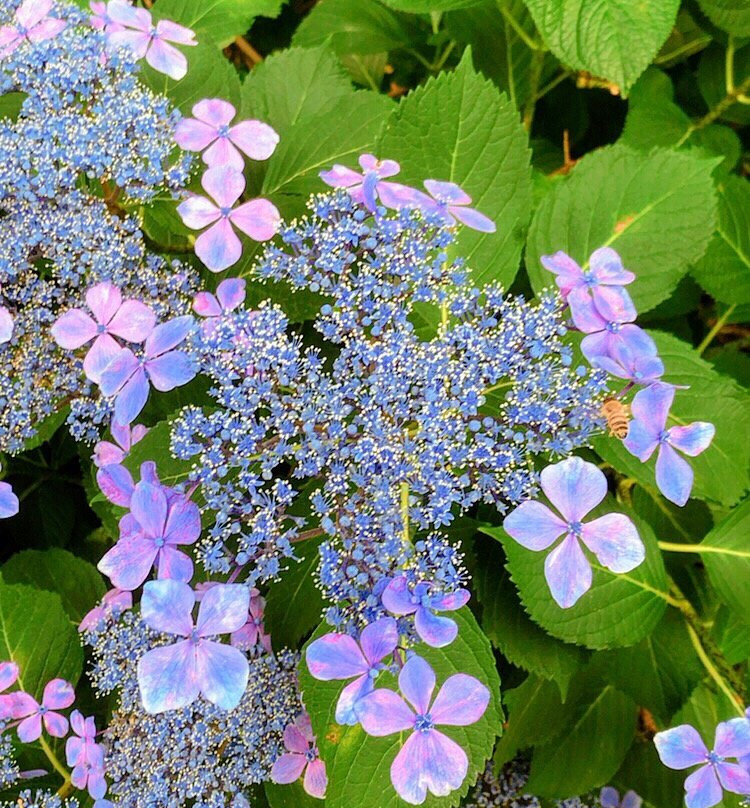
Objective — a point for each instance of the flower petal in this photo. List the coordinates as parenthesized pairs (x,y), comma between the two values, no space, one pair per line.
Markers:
(205,304)
(8,674)
(193,135)
(674,476)
(183,521)
(606,266)
(55,724)
(8,501)
(122,12)
(174,564)
(116,483)
(473,218)
(428,761)
(416,681)
(631,800)
(167,606)
(223,609)
(350,695)
(533,525)
(170,370)
(258,218)
(136,42)
(315,781)
(733,738)
(58,694)
(574,487)
(73,329)
(223,673)
(288,768)
(702,789)
(383,712)
(219,246)
(168,335)
(32,12)
(693,438)
(436,631)
(609,797)
(257,139)
(198,212)
(614,540)
(379,639)
(222,153)
(231,293)
(335,656)
(568,272)
(168,677)
(101,353)
(450,602)
(680,747)
(568,572)
(341,177)
(223,184)
(104,299)
(174,32)
(733,777)
(134,321)
(447,192)
(216,112)
(614,304)
(462,700)
(167,59)
(129,562)
(118,372)
(295,740)
(149,507)
(397,598)
(651,406)
(30,728)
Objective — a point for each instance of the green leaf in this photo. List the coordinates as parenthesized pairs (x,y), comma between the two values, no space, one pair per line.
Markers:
(721,472)
(724,271)
(653,117)
(163,225)
(358,765)
(289,796)
(294,604)
(726,555)
(36,633)
(608,38)
(10,104)
(511,631)
(650,778)
(355,26)
(670,522)
(458,127)
(76,581)
(731,15)
(660,672)
(657,210)
(734,636)
(294,84)
(424,6)
(497,49)
(155,446)
(533,711)
(209,75)
(599,725)
(218,20)
(315,143)
(618,610)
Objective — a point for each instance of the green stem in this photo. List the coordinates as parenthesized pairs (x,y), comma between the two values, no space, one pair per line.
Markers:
(518,28)
(713,672)
(718,325)
(716,112)
(66,787)
(535,74)
(678,547)
(553,83)
(437,67)
(405,511)
(688,48)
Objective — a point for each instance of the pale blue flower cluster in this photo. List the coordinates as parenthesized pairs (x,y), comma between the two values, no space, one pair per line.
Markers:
(40,799)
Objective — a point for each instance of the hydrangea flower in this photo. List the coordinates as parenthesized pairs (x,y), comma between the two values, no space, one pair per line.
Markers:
(223,145)
(450,204)
(622,361)
(8,501)
(115,601)
(58,694)
(6,325)
(597,291)
(247,637)
(434,630)
(107,453)
(429,760)
(339,656)
(574,487)
(159,521)
(130,320)
(682,747)
(85,756)
(648,431)
(218,246)
(32,23)
(369,186)
(137,33)
(8,677)
(230,295)
(173,676)
(127,377)
(100,18)
(610,798)
(301,756)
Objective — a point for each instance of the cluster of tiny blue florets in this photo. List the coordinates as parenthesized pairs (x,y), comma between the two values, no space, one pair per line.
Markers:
(89,144)
(36,798)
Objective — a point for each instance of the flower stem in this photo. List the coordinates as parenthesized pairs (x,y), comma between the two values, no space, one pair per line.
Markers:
(67,787)
(733,697)
(718,325)
(405,511)
(679,547)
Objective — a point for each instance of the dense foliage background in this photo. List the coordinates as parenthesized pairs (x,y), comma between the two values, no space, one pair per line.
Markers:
(572,125)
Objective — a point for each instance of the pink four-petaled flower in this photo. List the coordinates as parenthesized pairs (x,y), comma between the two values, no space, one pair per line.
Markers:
(301,756)
(32,23)
(58,694)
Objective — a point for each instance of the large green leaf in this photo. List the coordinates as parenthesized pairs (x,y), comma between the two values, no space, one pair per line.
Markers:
(358,765)
(288,796)
(219,20)
(294,604)
(643,772)
(423,6)
(657,210)
(619,610)
(599,725)
(317,142)
(731,15)
(76,581)
(294,84)
(608,38)
(355,26)
(209,75)
(36,633)
(511,630)
(458,127)
(724,271)
(660,672)
(721,472)
(726,553)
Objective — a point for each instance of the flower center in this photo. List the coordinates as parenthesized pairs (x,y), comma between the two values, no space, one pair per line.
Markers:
(225,212)
(42,710)
(224,130)
(613,328)
(575,528)
(101,328)
(423,723)
(194,636)
(588,278)
(713,758)
(663,436)
(159,541)
(311,754)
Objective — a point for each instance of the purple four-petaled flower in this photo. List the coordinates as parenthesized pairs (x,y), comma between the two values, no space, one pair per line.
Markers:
(450,203)
(173,676)
(682,747)
(85,756)
(574,487)
(32,23)
(368,187)
(107,453)
(610,798)
(223,145)
(436,631)
(58,694)
(339,656)
(648,430)
(301,756)
(429,760)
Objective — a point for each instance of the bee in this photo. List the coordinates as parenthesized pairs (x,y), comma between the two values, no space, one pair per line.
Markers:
(617,415)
